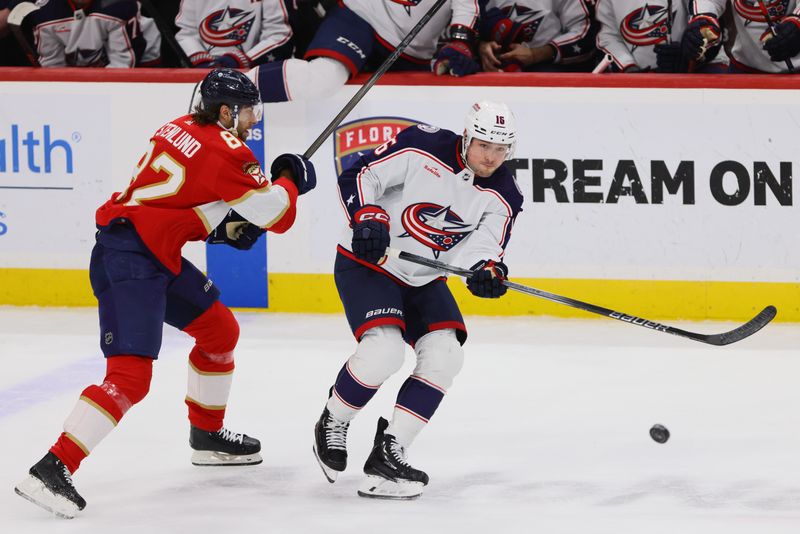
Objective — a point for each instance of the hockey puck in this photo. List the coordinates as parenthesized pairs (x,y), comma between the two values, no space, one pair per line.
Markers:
(659,433)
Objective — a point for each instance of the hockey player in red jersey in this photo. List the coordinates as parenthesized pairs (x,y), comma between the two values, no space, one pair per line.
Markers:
(194,170)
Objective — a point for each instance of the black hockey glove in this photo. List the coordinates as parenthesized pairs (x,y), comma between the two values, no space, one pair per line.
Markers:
(487,279)
(370,233)
(236,231)
(302,170)
(786,43)
(457,56)
(702,34)
(670,58)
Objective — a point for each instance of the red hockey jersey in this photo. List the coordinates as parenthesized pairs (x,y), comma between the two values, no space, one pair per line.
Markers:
(186,182)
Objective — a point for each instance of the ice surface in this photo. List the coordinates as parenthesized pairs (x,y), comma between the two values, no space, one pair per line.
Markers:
(545,430)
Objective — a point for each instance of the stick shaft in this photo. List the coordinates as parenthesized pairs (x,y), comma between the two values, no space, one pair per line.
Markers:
(737,334)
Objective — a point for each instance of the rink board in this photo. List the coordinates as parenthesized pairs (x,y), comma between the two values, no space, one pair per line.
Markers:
(660,196)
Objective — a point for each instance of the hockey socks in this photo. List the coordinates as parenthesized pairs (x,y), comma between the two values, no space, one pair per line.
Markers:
(211,366)
(100,408)
(349,394)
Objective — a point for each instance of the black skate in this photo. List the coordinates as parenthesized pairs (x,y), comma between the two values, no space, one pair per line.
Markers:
(388,474)
(49,485)
(330,444)
(223,447)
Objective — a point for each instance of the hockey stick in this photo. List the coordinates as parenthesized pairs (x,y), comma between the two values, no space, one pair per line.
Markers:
(604,64)
(15,18)
(771,26)
(166,34)
(669,21)
(737,334)
(373,79)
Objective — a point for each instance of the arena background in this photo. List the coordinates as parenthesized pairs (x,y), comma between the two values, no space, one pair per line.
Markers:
(665,199)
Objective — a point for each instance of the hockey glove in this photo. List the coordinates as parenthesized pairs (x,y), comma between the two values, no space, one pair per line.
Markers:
(236,231)
(202,60)
(370,233)
(301,169)
(506,32)
(487,279)
(670,58)
(701,34)
(233,60)
(457,57)
(786,42)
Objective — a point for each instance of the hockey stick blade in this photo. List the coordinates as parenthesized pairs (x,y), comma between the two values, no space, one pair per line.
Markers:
(15,20)
(726,338)
(20,11)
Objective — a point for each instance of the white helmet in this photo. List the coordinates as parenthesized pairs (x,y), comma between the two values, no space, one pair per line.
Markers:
(490,121)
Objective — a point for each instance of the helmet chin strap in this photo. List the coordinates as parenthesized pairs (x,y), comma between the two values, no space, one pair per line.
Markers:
(234,129)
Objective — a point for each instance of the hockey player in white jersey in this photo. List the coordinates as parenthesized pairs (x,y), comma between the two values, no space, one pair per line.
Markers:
(754,48)
(438,194)
(237,34)
(359,34)
(642,35)
(535,35)
(82,33)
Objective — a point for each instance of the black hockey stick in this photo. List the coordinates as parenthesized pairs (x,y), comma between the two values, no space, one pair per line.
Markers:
(771,26)
(737,334)
(373,79)
(166,34)
(669,21)
(15,19)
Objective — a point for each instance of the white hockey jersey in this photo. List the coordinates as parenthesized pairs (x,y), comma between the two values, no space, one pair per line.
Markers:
(630,28)
(438,208)
(393,19)
(565,24)
(750,26)
(102,34)
(256,31)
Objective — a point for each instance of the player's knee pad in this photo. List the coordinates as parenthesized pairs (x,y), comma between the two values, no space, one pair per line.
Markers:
(216,330)
(380,354)
(127,380)
(317,78)
(439,357)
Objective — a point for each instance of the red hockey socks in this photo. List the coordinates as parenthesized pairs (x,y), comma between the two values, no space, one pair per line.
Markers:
(100,408)
(211,366)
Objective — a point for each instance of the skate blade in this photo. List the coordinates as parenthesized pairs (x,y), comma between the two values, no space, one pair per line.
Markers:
(375,487)
(329,473)
(215,458)
(33,490)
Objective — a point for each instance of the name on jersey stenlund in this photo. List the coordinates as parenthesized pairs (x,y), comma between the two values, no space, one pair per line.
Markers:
(594,181)
(352,139)
(179,138)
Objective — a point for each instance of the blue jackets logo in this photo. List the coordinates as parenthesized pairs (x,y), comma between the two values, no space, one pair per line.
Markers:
(36,150)
(435,226)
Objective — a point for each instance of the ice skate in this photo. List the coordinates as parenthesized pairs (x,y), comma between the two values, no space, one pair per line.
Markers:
(223,447)
(49,485)
(330,444)
(388,474)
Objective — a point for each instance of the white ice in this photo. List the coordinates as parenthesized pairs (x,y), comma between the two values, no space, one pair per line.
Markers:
(545,430)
